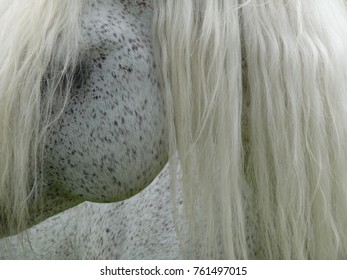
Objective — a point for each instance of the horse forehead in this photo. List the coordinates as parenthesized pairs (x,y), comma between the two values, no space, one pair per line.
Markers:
(109,143)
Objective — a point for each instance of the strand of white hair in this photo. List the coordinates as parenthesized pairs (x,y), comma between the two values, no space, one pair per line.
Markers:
(40,46)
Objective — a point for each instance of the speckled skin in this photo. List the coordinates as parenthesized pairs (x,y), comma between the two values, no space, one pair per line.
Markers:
(109,143)
(115,117)
(107,146)
(138,228)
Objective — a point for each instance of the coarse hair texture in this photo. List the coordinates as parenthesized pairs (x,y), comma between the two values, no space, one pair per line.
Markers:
(40,46)
(255,95)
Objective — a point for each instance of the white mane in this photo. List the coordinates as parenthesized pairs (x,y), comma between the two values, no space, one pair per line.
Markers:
(287,60)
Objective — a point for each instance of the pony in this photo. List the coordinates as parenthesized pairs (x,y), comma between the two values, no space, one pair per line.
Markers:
(247,101)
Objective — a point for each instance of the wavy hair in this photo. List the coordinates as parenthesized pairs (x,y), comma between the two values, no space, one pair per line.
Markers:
(256,105)
(40,46)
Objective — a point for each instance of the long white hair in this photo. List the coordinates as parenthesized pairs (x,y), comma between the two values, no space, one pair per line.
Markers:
(256,117)
(39,49)
(256,102)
